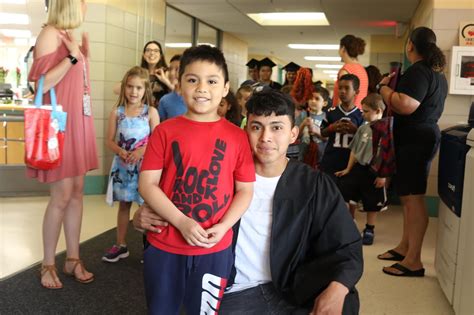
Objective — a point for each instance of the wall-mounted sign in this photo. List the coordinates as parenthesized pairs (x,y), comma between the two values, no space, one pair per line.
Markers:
(466,34)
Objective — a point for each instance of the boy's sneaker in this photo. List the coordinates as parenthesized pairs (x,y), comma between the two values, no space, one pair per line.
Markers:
(115,253)
(368,237)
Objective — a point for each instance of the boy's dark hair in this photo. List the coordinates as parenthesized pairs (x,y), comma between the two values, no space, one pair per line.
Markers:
(175,58)
(351,77)
(271,101)
(322,91)
(204,53)
(374,101)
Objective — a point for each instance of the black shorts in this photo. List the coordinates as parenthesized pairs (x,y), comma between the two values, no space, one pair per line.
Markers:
(359,185)
(415,148)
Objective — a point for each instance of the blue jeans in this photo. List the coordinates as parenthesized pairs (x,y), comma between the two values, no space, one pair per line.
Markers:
(260,300)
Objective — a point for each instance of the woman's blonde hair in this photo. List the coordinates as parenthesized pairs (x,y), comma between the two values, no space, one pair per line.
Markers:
(65,14)
(142,74)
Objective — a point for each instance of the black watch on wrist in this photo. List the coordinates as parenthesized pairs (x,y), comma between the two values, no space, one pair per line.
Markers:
(72,59)
(379,86)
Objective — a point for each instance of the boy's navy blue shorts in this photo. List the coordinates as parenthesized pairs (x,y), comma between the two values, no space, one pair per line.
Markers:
(196,283)
(359,185)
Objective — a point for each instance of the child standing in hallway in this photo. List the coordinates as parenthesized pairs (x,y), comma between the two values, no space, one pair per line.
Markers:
(198,175)
(358,182)
(130,125)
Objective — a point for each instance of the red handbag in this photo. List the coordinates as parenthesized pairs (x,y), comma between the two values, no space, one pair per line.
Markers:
(44,132)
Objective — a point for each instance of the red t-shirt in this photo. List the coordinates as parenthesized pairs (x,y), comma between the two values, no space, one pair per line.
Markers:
(200,163)
(359,71)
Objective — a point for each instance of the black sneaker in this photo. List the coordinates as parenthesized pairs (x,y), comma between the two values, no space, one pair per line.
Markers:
(115,253)
(368,237)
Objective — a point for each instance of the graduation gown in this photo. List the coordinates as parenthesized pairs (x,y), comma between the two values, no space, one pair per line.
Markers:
(313,239)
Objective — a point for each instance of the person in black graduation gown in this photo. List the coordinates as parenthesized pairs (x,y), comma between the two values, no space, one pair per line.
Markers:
(290,75)
(310,243)
(265,73)
(252,66)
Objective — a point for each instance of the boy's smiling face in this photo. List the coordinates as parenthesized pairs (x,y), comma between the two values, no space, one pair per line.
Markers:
(203,86)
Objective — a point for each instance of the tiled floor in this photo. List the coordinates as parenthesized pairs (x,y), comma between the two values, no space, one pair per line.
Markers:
(21,218)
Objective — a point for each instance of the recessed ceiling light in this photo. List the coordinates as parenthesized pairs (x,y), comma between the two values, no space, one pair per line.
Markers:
(289,18)
(331,71)
(178,45)
(314,46)
(326,66)
(14,18)
(322,58)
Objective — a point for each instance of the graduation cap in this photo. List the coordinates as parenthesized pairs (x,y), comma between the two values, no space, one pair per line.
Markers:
(253,63)
(266,62)
(291,67)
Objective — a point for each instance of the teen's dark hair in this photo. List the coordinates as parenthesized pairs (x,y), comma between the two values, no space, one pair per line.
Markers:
(233,114)
(374,75)
(351,77)
(322,91)
(161,63)
(204,53)
(424,40)
(270,101)
(175,58)
(354,46)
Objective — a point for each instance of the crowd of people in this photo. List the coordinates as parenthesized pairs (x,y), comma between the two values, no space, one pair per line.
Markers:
(246,200)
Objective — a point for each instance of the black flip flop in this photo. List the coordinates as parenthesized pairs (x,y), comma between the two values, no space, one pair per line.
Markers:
(395,256)
(405,271)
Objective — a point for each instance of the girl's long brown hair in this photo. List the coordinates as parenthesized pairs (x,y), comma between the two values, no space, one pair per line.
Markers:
(142,74)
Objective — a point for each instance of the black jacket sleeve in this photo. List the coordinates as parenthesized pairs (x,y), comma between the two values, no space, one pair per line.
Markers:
(334,251)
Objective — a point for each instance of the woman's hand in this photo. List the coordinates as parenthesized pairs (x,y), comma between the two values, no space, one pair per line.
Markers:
(344,172)
(123,154)
(135,156)
(379,182)
(71,44)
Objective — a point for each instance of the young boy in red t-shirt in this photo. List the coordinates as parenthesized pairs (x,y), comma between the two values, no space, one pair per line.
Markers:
(197,174)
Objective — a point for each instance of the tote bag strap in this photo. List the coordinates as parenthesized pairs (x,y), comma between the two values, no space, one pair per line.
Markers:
(39,95)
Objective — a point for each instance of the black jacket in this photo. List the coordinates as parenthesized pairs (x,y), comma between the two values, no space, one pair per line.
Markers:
(313,239)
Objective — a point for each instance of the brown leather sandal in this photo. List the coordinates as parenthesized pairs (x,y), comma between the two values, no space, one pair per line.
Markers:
(77,262)
(53,272)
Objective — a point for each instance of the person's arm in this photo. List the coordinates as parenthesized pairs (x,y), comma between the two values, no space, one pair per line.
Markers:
(240,203)
(163,77)
(147,219)
(48,42)
(153,120)
(331,300)
(149,189)
(350,164)
(332,128)
(111,134)
(399,103)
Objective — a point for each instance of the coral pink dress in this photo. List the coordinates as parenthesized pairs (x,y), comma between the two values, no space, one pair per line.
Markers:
(80,152)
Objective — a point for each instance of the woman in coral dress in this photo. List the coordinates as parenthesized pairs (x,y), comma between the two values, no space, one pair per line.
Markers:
(64,64)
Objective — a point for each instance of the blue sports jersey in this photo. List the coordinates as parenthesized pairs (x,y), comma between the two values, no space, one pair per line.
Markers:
(337,151)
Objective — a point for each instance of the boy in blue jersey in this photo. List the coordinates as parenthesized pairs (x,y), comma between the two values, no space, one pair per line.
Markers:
(340,125)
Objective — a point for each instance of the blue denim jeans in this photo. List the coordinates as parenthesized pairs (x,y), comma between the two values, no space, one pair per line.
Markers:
(260,300)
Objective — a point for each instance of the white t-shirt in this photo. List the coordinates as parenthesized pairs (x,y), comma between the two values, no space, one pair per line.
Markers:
(252,251)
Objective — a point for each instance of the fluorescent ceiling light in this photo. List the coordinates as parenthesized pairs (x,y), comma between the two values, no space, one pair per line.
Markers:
(16,33)
(331,71)
(314,46)
(178,45)
(14,18)
(289,18)
(322,58)
(326,66)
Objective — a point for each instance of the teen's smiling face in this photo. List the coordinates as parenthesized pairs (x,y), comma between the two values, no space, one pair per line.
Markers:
(203,86)
(269,138)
